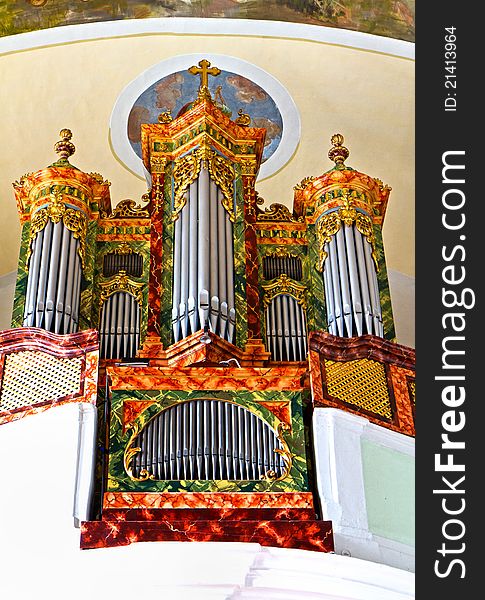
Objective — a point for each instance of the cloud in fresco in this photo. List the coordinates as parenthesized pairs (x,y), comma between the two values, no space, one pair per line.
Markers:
(272,128)
(247,91)
(168,91)
(138,115)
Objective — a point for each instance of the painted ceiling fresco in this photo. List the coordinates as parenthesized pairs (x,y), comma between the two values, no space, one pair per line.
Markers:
(230,91)
(391,18)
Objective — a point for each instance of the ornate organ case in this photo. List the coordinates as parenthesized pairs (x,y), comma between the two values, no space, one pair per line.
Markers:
(204,303)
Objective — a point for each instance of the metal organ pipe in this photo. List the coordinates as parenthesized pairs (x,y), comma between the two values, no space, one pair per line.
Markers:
(351,288)
(203,280)
(207,440)
(120,326)
(286,329)
(54,280)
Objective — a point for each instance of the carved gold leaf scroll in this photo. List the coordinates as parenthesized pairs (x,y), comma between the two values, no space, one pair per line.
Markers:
(57,211)
(121,283)
(222,172)
(328,225)
(129,208)
(284,285)
(187,170)
(271,475)
(278,212)
(130,453)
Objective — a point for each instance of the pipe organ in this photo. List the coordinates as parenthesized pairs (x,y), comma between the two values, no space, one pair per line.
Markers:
(203,262)
(203,302)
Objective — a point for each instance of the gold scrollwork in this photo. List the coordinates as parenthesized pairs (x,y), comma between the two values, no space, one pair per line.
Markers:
(185,172)
(57,211)
(284,285)
(280,252)
(129,208)
(271,475)
(222,172)
(121,283)
(130,453)
(304,183)
(278,212)
(328,225)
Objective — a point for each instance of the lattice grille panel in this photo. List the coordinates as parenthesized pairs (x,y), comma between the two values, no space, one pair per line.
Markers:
(33,377)
(362,383)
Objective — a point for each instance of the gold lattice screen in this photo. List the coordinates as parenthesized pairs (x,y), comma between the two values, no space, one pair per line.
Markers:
(361,383)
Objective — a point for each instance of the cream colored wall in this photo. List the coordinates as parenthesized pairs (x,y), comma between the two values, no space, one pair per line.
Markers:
(369,97)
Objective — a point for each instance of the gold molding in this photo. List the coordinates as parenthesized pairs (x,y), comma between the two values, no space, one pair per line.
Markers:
(57,211)
(284,285)
(328,225)
(130,453)
(121,283)
(285,453)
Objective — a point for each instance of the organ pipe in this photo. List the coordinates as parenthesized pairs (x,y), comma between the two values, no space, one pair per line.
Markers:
(203,278)
(54,280)
(207,440)
(351,287)
(286,334)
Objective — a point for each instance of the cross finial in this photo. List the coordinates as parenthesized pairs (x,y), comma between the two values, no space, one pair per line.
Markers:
(204,70)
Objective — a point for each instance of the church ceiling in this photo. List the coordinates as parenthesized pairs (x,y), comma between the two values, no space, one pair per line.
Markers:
(390,18)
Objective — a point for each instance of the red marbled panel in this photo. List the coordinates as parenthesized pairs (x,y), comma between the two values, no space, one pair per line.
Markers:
(209,514)
(132,409)
(305,535)
(403,401)
(207,500)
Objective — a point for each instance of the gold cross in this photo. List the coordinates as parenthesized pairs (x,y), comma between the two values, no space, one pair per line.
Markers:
(204,72)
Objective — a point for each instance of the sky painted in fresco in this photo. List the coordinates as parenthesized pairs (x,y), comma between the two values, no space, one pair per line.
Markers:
(177,89)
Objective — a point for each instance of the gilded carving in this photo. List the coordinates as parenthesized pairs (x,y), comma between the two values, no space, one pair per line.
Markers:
(284,285)
(158,164)
(185,172)
(304,183)
(278,212)
(99,178)
(243,120)
(129,208)
(130,453)
(121,283)
(287,456)
(328,225)
(57,211)
(222,172)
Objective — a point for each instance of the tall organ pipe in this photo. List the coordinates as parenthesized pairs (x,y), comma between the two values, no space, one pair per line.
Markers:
(203,280)
(54,280)
(351,287)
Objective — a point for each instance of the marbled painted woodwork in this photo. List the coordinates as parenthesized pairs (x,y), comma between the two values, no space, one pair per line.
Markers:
(158,393)
(302,534)
(397,361)
(29,340)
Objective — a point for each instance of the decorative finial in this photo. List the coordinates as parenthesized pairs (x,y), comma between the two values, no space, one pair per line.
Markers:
(64,148)
(244,120)
(338,153)
(204,71)
(165,117)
